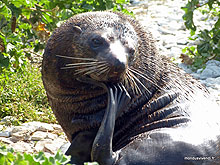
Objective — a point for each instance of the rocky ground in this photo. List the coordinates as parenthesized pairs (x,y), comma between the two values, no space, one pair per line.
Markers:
(32,137)
(164,19)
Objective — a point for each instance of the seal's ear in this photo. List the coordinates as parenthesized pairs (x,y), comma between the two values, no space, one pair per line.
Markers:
(77,29)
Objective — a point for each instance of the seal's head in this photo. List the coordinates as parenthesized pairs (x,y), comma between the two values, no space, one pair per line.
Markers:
(94,47)
(111,53)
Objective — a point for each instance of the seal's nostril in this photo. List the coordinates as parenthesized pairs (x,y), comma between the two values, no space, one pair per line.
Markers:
(119,66)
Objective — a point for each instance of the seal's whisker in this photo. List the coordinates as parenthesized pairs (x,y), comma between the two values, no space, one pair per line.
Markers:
(78,58)
(88,63)
(102,70)
(81,70)
(128,82)
(136,87)
(89,70)
(135,71)
(94,69)
(140,83)
(72,67)
(98,70)
(85,66)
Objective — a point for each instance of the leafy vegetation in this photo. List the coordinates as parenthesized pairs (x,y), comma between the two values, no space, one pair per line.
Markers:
(209,39)
(26,25)
(23,96)
(8,157)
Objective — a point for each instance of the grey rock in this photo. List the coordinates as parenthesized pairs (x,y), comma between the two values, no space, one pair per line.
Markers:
(64,147)
(213,63)
(39,126)
(55,145)
(51,136)
(57,127)
(46,127)
(195,75)
(21,133)
(217,81)
(39,146)
(185,68)
(22,147)
(165,31)
(7,120)
(5,134)
(38,135)
(52,147)
(210,71)
(199,71)
(5,140)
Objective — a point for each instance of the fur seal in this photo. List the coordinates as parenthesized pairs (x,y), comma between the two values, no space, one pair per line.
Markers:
(120,102)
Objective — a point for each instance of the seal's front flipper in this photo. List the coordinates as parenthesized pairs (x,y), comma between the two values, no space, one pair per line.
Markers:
(102,145)
(80,154)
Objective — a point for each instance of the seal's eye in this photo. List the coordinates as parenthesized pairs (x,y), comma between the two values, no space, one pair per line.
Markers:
(131,51)
(96,42)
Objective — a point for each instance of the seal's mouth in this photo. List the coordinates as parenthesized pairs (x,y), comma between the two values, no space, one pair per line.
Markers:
(114,70)
(112,78)
(109,76)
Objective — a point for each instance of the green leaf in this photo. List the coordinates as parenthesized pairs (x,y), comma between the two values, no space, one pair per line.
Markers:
(46,162)
(10,157)
(5,11)
(61,158)
(217,24)
(205,35)
(109,4)
(19,3)
(188,17)
(204,48)
(52,160)
(205,55)
(121,1)
(91,163)
(192,48)
(16,11)
(4,61)
(65,14)
(40,157)
(198,62)
(216,36)
(210,3)
(30,159)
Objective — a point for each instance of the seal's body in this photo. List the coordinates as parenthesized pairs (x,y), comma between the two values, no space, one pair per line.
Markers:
(105,80)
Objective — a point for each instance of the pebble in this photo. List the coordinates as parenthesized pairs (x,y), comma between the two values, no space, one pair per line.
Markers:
(5,134)
(33,137)
(38,135)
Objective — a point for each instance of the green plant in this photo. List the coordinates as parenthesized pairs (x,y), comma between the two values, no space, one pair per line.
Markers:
(22,95)
(8,157)
(209,39)
(24,29)
(26,25)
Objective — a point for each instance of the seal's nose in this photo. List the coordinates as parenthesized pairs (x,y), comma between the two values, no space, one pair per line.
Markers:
(118,56)
(119,66)
(117,70)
